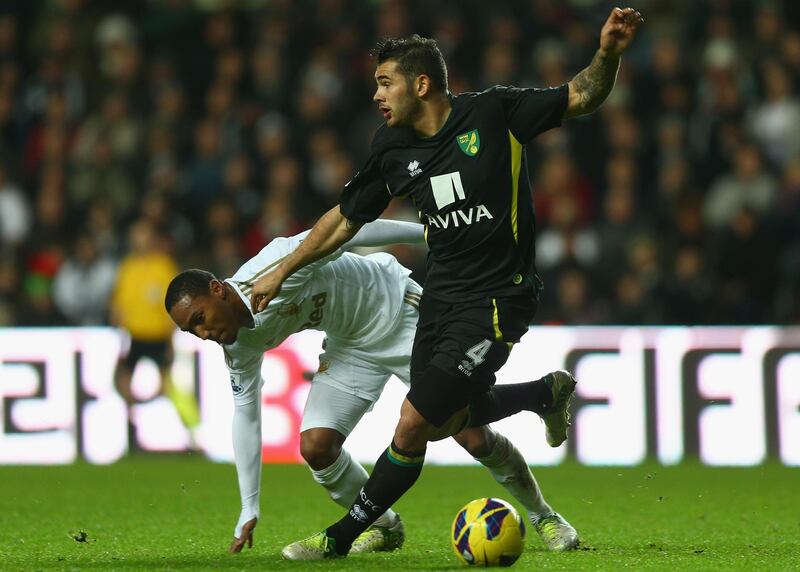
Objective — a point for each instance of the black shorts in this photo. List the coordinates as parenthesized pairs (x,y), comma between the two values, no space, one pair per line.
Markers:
(458,348)
(156,351)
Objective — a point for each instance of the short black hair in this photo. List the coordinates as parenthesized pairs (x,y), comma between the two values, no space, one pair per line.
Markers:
(192,283)
(415,55)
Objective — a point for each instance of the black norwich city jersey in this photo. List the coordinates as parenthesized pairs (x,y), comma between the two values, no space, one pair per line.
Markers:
(469,183)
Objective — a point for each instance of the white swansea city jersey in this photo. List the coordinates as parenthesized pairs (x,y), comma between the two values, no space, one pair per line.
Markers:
(355,300)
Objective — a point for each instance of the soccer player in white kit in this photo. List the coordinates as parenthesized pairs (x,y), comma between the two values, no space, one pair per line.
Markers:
(368,308)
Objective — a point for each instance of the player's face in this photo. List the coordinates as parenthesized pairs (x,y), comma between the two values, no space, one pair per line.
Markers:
(395,96)
(209,317)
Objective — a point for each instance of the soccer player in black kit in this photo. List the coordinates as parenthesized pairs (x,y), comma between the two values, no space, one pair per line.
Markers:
(460,160)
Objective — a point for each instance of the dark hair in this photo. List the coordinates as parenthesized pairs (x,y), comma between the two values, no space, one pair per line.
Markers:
(414,55)
(191,283)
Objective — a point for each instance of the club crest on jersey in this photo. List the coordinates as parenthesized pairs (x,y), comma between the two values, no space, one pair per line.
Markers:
(413,168)
(288,309)
(469,142)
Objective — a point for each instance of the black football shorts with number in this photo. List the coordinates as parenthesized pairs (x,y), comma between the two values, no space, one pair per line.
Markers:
(469,183)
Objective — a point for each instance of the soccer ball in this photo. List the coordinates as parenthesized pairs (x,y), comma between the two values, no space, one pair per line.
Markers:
(488,532)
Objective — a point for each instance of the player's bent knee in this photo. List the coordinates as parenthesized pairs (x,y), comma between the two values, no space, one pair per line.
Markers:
(477,441)
(320,447)
(451,426)
(413,432)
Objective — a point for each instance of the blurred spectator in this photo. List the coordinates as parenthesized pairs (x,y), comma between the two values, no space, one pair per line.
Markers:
(615,235)
(775,122)
(137,303)
(225,124)
(237,186)
(12,133)
(100,176)
(103,228)
(499,65)
(558,175)
(565,240)
(175,228)
(746,277)
(169,131)
(277,218)
(15,212)
(570,298)
(748,186)
(116,126)
(52,77)
(204,173)
(688,292)
(83,284)
(10,295)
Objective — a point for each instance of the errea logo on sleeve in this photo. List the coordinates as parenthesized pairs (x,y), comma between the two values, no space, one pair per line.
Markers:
(413,168)
(446,188)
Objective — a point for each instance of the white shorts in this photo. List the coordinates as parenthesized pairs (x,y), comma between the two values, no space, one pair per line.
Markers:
(350,380)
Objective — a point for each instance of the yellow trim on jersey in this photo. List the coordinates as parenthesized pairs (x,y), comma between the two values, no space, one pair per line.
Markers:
(516,165)
(498,335)
(425,234)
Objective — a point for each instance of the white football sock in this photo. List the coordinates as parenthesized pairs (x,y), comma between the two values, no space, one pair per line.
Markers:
(343,480)
(508,467)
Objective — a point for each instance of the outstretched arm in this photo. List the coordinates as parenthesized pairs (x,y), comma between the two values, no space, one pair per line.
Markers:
(330,232)
(247,454)
(246,383)
(384,232)
(591,86)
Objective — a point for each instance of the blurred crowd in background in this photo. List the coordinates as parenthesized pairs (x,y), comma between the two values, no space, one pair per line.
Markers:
(192,132)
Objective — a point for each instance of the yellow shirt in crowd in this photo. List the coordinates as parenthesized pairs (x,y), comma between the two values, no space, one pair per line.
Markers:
(138,300)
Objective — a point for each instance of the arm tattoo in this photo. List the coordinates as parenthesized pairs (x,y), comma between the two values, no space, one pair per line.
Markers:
(594,83)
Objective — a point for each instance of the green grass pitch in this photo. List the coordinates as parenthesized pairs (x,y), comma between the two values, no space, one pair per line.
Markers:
(178,513)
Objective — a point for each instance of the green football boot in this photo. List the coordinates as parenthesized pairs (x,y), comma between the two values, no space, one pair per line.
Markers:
(556,420)
(316,547)
(557,534)
(380,538)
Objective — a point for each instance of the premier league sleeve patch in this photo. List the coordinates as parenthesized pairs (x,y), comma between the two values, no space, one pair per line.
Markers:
(236,383)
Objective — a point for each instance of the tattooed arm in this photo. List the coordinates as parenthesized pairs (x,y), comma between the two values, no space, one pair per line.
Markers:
(590,87)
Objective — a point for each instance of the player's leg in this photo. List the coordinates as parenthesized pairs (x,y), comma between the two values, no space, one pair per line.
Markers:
(548,396)
(184,401)
(435,407)
(124,371)
(328,419)
(330,415)
(123,375)
(455,356)
(508,467)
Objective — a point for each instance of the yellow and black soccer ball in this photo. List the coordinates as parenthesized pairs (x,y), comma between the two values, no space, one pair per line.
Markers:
(488,532)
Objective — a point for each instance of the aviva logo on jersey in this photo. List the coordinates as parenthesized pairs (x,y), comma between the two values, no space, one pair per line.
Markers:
(447,189)
(469,142)
(460,217)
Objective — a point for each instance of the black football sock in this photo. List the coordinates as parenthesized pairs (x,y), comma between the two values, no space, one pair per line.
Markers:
(394,473)
(503,401)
